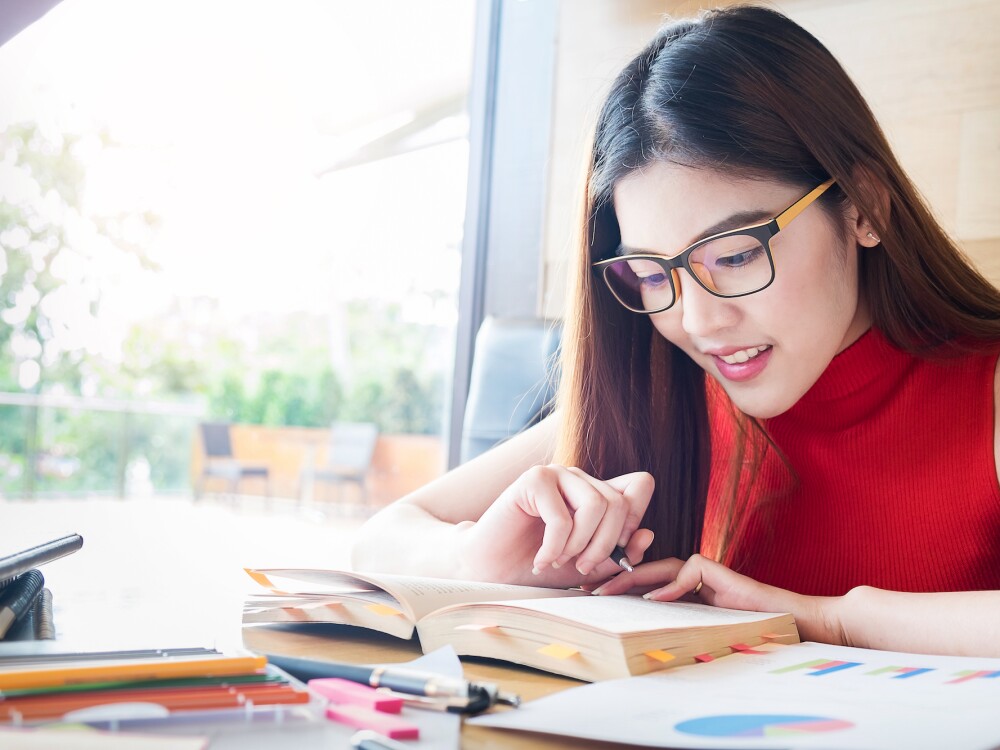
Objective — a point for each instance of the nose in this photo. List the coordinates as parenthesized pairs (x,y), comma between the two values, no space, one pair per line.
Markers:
(702,313)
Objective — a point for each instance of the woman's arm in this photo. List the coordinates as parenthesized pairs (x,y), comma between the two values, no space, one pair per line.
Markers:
(958,623)
(510,516)
(419,532)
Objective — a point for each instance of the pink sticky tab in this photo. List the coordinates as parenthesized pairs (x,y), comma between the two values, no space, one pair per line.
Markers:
(352,693)
(362,718)
(704,657)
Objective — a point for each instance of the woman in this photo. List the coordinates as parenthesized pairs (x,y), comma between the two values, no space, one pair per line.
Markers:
(746,219)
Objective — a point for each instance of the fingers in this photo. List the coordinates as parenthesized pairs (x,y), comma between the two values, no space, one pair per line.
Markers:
(637,489)
(689,579)
(584,517)
(627,497)
(651,574)
(597,526)
(635,548)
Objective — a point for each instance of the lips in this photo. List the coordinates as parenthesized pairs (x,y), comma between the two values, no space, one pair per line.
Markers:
(743,363)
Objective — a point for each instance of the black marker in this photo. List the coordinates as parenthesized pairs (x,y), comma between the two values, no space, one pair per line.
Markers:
(12,565)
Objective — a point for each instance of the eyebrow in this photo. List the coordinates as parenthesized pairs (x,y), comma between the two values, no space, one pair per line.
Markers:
(735,221)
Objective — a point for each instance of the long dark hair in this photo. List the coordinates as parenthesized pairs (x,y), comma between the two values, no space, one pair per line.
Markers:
(746,91)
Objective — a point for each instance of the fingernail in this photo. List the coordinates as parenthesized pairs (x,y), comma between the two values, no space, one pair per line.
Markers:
(536,570)
(583,569)
(556,564)
(598,591)
(651,594)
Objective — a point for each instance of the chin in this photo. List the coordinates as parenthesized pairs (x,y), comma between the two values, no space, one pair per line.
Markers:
(760,406)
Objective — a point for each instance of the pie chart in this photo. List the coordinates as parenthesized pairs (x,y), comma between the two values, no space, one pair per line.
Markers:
(760,725)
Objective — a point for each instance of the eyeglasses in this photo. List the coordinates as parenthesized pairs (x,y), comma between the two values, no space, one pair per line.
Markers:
(728,264)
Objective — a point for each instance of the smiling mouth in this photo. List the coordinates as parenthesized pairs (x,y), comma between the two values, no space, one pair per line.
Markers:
(743,355)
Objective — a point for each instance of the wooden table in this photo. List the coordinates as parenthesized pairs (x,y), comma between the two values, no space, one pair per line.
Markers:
(341,643)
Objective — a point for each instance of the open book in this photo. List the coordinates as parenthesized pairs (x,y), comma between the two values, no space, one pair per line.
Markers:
(567,632)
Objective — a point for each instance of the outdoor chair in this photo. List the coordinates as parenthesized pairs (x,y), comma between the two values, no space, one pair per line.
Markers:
(222,464)
(349,458)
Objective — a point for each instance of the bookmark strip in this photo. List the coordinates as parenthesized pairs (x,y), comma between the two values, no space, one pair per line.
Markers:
(476,626)
(383,609)
(558,651)
(745,649)
(661,656)
(337,690)
(264,581)
(363,718)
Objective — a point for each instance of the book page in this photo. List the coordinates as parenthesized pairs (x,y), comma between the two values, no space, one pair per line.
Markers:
(418,595)
(632,614)
(807,695)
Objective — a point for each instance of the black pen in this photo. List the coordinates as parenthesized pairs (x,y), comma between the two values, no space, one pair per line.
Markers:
(461,695)
(18,598)
(620,559)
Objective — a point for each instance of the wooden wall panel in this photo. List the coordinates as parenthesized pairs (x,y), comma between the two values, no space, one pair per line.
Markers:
(930,70)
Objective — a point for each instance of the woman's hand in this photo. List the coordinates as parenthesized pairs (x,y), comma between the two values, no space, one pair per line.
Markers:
(701,579)
(555,526)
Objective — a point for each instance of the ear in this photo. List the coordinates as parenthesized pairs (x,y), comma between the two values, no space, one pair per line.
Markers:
(870,219)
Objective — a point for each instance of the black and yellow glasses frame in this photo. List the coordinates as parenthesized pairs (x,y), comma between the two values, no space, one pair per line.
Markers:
(762,232)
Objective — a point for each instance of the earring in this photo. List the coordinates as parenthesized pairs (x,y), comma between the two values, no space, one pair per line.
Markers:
(873,237)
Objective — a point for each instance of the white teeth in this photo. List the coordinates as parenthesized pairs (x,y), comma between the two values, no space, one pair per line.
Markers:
(744,355)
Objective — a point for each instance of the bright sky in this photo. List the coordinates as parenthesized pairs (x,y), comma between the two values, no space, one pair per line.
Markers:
(225,111)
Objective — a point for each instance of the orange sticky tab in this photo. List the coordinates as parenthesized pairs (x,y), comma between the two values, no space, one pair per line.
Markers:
(660,656)
(383,609)
(264,581)
(558,651)
(296,613)
(259,577)
(704,657)
(476,626)
(772,636)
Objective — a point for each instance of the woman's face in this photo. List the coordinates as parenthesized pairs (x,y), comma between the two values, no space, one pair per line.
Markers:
(766,349)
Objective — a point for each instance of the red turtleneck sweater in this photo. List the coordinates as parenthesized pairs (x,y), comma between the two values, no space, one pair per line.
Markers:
(895,479)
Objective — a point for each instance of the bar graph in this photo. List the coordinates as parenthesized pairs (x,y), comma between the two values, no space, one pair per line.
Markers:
(819,667)
(900,673)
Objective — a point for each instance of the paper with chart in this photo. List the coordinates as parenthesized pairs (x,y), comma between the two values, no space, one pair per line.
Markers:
(808,695)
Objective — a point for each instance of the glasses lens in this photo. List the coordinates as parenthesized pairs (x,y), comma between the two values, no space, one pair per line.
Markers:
(640,285)
(734,265)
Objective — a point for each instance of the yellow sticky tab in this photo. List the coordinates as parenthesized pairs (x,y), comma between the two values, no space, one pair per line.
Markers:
(558,651)
(661,656)
(476,626)
(383,609)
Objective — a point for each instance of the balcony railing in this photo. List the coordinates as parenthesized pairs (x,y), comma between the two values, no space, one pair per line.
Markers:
(66,446)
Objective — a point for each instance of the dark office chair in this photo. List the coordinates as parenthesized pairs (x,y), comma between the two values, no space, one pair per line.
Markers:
(349,458)
(512,383)
(220,462)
